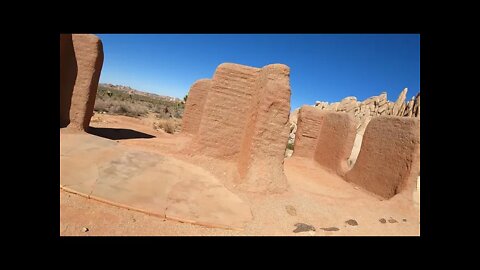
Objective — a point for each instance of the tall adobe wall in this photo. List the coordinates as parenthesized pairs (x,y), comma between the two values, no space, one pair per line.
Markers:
(389,159)
(364,111)
(262,155)
(326,137)
(195,105)
(309,125)
(68,75)
(81,60)
(227,109)
(335,141)
(245,121)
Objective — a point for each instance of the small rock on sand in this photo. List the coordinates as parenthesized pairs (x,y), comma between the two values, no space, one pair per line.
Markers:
(382,220)
(291,210)
(392,220)
(330,229)
(404,220)
(352,222)
(84,229)
(302,227)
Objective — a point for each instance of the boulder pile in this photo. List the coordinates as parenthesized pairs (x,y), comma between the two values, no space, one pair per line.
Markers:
(363,112)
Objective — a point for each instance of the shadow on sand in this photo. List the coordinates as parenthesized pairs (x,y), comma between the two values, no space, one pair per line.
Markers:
(118,133)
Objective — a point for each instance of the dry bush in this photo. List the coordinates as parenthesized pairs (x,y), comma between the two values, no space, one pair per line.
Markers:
(133,110)
(114,106)
(101,105)
(165,112)
(120,102)
(170,125)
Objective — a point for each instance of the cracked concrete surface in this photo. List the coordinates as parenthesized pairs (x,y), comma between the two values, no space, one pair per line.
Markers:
(148,182)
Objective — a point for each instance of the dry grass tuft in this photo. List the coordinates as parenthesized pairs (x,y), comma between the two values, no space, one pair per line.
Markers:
(120,107)
(121,103)
(170,125)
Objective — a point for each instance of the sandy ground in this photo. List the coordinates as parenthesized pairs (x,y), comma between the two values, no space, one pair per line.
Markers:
(315,197)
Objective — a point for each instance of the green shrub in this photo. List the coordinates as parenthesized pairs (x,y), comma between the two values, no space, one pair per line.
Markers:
(290,146)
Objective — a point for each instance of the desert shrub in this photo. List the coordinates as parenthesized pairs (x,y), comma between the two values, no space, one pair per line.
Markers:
(119,109)
(101,105)
(290,146)
(159,109)
(178,114)
(137,105)
(113,106)
(133,110)
(166,112)
(168,125)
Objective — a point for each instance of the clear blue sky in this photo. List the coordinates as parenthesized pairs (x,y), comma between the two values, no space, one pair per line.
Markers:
(322,67)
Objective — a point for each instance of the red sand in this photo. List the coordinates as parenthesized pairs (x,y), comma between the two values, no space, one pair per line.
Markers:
(321,199)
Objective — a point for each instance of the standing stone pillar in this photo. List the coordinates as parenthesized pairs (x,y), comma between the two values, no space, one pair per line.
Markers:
(81,60)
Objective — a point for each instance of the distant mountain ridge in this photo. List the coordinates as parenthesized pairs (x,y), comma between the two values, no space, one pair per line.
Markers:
(127,89)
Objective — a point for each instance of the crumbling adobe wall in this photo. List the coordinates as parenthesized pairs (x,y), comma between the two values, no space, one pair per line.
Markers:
(245,121)
(68,74)
(309,125)
(262,154)
(194,106)
(326,137)
(227,110)
(389,159)
(335,141)
(81,60)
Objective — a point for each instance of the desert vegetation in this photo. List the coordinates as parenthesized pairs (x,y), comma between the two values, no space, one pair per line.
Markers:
(111,100)
(290,146)
(170,125)
(119,100)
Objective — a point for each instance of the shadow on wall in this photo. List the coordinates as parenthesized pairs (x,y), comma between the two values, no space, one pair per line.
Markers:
(119,133)
(68,75)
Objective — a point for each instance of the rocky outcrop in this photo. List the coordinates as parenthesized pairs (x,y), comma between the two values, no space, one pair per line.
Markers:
(364,111)
(293,125)
(245,121)
(416,106)
(400,103)
(347,104)
(81,60)
(374,106)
